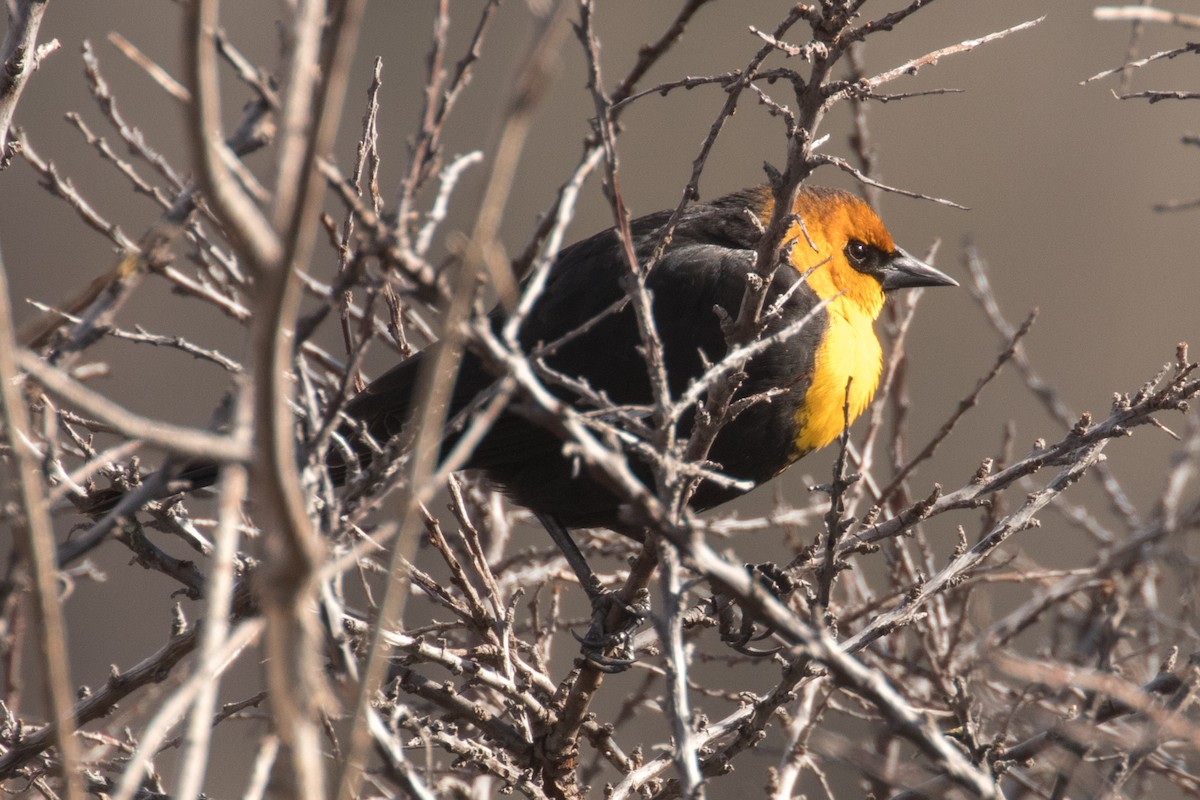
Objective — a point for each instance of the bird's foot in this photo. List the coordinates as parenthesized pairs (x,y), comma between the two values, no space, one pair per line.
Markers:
(737,628)
(608,643)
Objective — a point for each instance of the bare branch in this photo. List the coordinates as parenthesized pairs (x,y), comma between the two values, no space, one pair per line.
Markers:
(1144,14)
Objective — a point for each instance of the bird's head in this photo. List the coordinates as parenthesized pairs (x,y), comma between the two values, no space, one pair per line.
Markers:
(850,252)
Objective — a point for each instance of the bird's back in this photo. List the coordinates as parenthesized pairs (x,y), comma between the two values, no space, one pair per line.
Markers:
(705,267)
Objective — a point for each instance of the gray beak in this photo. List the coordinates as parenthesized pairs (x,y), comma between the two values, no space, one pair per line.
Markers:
(904,271)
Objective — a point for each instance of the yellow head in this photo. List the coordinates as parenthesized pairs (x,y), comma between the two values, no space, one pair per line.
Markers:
(850,252)
(852,262)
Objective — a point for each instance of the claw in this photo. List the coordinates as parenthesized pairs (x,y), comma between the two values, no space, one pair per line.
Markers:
(612,651)
(736,627)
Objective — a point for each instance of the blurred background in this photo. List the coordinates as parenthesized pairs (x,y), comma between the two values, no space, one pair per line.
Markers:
(1061,180)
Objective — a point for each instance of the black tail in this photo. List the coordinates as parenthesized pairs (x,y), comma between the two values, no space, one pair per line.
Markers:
(383,408)
(189,477)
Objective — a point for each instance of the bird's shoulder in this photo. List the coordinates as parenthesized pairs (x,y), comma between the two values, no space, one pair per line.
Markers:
(700,261)
(718,236)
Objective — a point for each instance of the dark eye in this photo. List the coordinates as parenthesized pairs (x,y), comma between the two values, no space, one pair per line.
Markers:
(858,253)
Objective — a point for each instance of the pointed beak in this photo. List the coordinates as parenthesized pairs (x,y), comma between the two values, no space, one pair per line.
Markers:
(904,271)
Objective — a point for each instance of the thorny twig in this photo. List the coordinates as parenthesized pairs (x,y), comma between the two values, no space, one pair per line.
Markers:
(480,693)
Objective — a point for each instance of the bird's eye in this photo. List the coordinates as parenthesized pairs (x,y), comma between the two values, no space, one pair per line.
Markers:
(858,253)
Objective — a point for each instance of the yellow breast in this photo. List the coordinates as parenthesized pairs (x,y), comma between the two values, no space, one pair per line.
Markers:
(850,352)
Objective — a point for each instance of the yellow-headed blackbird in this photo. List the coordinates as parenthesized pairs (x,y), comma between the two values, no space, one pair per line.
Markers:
(580,331)
(850,262)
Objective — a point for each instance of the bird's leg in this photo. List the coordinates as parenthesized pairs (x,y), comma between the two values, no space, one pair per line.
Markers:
(599,640)
(579,565)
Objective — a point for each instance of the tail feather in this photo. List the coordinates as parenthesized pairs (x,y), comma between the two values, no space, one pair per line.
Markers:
(383,408)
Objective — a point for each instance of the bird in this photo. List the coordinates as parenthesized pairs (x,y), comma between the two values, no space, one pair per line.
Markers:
(818,369)
(848,261)
(841,263)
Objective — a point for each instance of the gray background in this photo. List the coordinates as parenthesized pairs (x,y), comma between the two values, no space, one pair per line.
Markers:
(1060,179)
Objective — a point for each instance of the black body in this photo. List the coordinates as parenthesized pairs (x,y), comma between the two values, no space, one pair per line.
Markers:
(705,267)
